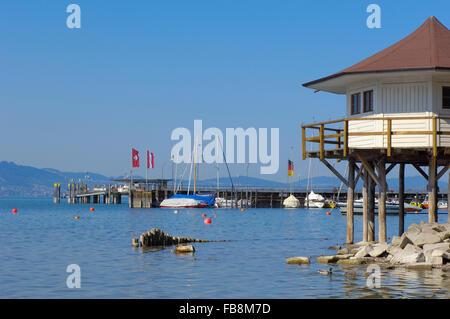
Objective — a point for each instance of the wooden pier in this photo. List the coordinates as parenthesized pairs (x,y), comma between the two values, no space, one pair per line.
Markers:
(243,197)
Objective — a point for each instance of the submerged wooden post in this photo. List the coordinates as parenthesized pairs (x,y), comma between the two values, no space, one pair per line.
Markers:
(382,237)
(350,197)
(432,191)
(401,199)
(365,195)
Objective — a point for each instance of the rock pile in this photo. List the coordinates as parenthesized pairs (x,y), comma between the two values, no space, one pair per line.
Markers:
(423,246)
(156,237)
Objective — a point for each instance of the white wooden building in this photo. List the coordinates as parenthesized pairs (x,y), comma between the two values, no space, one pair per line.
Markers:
(397,112)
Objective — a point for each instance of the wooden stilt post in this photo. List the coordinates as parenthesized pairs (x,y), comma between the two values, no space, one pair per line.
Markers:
(350,197)
(382,237)
(401,199)
(371,208)
(365,195)
(432,190)
(448,199)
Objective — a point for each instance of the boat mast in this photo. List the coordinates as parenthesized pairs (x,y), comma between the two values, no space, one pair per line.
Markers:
(195,167)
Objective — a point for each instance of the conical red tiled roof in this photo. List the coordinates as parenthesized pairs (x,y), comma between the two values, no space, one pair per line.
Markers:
(426,48)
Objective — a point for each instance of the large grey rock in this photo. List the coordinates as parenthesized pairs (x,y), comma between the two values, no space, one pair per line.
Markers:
(404,240)
(436,260)
(395,240)
(343,251)
(420,266)
(425,238)
(183,248)
(414,228)
(410,254)
(352,261)
(364,251)
(327,259)
(298,260)
(378,250)
(444,235)
(444,246)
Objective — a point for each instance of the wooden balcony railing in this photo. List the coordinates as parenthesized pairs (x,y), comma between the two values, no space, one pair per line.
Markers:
(340,136)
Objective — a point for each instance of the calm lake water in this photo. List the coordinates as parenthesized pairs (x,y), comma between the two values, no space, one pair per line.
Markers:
(42,239)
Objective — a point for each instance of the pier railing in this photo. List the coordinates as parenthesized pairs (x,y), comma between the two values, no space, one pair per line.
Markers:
(338,132)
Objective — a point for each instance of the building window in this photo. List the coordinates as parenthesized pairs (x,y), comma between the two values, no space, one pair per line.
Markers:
(446,97)
(356,103)
(368,101)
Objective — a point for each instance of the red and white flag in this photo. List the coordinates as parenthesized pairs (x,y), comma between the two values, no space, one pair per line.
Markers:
(135,158)
(153,161)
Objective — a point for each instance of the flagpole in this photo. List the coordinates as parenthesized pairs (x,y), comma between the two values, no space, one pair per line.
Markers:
(146,172)
(290,177)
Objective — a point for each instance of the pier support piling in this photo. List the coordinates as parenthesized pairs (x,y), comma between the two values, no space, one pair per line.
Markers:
(350,197)
(371,207)
(432,191)
(365,194)
(382,237)
(401,199)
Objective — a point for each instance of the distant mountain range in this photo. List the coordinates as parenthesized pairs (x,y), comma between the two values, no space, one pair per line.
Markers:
(26,181)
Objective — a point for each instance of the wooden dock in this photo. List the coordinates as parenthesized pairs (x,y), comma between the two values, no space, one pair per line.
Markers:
(147,196)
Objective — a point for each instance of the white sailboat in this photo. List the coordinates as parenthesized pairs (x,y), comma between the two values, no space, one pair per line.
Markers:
(190,200)
(291,202)
(314,200)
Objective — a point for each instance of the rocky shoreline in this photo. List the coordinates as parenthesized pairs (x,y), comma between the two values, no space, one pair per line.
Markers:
(424,246)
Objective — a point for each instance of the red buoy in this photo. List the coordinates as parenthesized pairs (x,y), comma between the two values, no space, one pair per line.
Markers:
(203,215)
(328,213)
(14,210)
(207,221)
(92,209)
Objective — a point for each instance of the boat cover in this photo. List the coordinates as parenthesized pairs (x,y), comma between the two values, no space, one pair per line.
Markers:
(207,200)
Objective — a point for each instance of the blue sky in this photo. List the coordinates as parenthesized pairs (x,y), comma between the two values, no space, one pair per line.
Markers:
(79,99)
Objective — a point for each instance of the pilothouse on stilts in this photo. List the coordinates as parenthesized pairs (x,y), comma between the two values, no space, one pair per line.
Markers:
(397,113)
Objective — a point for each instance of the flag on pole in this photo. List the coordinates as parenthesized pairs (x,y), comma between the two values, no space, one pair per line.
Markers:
(135,158)
(148,159)
(290,168)
(153,161)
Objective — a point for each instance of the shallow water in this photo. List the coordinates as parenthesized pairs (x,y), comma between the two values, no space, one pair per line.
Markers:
(42,239)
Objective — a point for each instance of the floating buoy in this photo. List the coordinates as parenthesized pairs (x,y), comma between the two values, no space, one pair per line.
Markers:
(14,210)
(328,213)
(77,217)
(203,215)
(207,221)
(92,209)
(242,210)
(175,211)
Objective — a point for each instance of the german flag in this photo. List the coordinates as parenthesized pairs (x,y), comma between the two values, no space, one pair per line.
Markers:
(290,168)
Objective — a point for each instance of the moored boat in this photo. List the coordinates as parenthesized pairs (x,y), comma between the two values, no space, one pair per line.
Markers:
(188,201)
(291,202)
(314,200)
(392,208)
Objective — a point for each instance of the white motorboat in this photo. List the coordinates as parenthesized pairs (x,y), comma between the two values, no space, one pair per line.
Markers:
(392,207)
(314,200)
(230,203)
(442,205)
(291,202)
